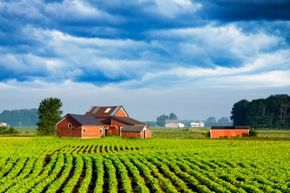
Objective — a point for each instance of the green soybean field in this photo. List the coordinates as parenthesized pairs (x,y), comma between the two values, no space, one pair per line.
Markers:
(112,164)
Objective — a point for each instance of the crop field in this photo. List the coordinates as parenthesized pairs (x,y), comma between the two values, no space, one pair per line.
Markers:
(112,164)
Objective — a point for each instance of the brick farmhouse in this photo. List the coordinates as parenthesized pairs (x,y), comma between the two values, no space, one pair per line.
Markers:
(102,121)
(229,131)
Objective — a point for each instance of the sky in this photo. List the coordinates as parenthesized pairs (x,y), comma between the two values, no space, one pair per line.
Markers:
(193,58)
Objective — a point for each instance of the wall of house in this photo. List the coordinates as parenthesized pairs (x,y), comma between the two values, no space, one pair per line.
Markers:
(218,133)
(132,134)
(121,113)
(91,131)
(171,125)
(114,130)
(127,134)
(63,130)
(115,127)
(148,133)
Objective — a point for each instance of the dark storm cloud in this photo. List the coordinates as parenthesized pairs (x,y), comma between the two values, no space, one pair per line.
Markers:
(232,10)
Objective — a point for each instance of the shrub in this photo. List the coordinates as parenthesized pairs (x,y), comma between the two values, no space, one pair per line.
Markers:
(253,133)
(6,130)
(207,134)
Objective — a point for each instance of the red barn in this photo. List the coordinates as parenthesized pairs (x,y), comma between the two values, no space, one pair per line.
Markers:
(97,122)
(138,131)
(229,131)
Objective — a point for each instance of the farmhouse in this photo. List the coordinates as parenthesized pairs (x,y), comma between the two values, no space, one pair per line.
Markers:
(102,121)
(229,131)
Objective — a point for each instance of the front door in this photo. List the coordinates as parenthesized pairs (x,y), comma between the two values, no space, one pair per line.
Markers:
(144,134)
(106,132)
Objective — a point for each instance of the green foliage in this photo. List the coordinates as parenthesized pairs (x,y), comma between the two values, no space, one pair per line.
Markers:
(240,113)
(20,118)
(272,112)
(210,121)
(253,133)
(48,164)
(8,130)
(172,116)
(49,114)
(161,120)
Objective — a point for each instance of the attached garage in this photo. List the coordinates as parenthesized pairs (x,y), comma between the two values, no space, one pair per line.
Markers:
(137,131)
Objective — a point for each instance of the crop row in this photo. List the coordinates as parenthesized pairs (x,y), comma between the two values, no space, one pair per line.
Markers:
(91,149)
(66,172)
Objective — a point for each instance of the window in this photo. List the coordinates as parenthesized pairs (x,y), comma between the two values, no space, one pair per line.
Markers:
(69,125)
(107,110)
(101,130)
(84,130)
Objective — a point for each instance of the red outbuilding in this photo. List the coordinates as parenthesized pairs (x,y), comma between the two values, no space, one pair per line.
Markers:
(229,131)
(98,122)
(138,131)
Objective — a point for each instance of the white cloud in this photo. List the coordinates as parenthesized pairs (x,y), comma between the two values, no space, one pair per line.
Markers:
(218,41)
(30,11)
(267,71)
(137,64)
(173,8)
(78,10)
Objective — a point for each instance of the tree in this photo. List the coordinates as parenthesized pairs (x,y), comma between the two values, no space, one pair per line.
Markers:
(279,108)
(172,116)
(257,114)
(224,121)
(272,112)
(210,121)
(20,118)
(161,120)
(49,112)
(240,113)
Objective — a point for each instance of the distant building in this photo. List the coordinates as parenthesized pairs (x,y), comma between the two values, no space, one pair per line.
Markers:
(3,124)
(197,124)
(180,125)
(173,124)
(229,131)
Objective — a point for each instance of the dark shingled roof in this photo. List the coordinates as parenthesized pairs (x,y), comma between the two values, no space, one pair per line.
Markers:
(135,129)
(104,111)
(128,121)
(230,127)
(85,119)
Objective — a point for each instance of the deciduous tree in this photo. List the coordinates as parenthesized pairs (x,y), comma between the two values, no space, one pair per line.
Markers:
(49,112)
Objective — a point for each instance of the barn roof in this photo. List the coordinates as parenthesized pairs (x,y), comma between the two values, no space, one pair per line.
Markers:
(128,121)
(104,111)
(134,129)
(85,119)
(230,127)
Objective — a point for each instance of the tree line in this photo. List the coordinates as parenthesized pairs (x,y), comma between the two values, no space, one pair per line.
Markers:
(272,112)
(20,118)
(210,121)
